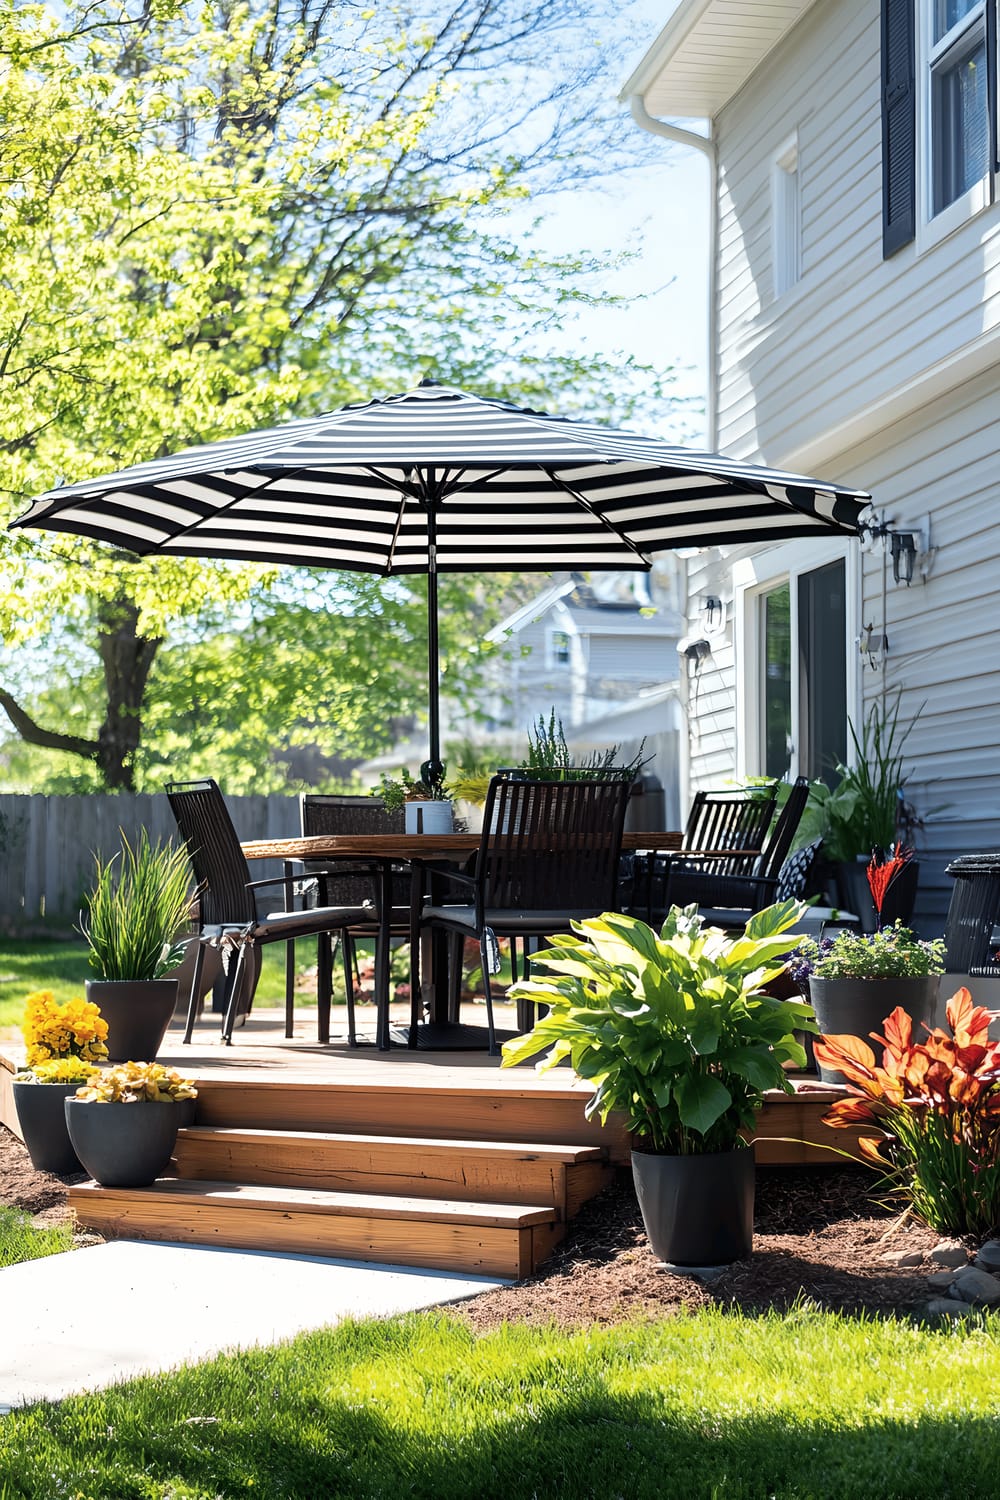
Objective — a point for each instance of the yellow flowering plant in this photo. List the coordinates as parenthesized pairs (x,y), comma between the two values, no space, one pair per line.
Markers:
(50,1030)
(72,1070)
(138,1083)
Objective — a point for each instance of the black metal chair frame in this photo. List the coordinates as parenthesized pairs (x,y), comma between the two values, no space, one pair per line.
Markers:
(726,830)
(549,855)
(973,915)
(229,916)
(349,880)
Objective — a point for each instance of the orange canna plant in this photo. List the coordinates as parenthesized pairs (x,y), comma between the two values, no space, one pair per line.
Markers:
(936,1103)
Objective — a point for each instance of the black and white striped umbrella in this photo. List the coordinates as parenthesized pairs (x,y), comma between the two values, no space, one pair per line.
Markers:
(438,480)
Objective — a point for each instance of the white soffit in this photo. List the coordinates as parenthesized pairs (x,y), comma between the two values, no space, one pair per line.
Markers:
(707,51)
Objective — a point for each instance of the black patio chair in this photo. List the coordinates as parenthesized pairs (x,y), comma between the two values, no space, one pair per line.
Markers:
(726,830)
(549,856)
(729,897)
(229,914)
(350,883)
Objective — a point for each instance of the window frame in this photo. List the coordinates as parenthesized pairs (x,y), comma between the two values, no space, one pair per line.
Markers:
(753,577)
(786,217)
(933,226)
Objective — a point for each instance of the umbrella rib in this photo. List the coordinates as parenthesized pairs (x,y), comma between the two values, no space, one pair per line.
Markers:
(601,520)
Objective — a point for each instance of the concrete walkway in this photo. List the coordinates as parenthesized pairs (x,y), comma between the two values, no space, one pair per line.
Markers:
(150,1307)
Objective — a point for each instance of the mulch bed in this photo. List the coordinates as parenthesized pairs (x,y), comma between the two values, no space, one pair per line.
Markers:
(818,1238)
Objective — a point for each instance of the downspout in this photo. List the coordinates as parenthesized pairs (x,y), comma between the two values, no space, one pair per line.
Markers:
(706,145)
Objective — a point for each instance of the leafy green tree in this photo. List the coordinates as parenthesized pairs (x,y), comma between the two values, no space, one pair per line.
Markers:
(219,216)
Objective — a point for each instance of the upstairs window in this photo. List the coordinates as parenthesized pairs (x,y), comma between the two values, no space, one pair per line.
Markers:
(559,648)
(786,218)
(939,135)
(958,94)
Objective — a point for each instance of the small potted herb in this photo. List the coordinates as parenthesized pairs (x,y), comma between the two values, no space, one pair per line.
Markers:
(676,1031)
(426,801)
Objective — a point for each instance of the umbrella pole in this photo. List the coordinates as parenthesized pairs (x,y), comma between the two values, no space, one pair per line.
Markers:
(433,770)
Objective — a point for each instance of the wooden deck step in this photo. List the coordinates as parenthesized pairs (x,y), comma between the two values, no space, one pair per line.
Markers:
(476,1111)
(554,1176)
(493,1239)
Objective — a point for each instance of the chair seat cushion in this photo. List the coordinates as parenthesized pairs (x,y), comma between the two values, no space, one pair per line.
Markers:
(504,920)
(285,924)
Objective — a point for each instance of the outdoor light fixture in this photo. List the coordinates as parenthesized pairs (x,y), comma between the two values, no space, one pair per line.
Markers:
(903,550)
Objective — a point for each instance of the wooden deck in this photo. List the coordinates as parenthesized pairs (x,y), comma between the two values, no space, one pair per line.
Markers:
(438,1159)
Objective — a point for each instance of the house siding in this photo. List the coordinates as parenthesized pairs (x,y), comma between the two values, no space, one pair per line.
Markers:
(855,326)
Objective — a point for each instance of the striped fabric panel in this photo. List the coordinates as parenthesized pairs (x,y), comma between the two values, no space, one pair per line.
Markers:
(515,489)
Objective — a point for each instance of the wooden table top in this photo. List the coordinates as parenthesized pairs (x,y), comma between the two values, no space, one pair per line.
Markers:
(405,846)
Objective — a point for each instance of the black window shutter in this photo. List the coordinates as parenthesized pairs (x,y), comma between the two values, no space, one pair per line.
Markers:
(899,120)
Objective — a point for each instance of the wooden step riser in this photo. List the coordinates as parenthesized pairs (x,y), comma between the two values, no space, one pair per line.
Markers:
(459,1248)
(473,1177)
(385,1111)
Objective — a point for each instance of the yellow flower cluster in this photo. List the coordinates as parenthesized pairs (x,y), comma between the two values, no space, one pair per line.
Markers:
(138,1083)
(64,1070)
(76,1029)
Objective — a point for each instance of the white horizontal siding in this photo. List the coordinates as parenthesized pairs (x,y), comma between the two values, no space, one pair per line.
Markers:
(855,327)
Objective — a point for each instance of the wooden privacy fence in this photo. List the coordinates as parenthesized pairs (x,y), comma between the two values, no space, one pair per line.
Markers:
(47,846)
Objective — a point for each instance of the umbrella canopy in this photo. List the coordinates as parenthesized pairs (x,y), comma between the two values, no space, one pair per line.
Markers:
(438,480)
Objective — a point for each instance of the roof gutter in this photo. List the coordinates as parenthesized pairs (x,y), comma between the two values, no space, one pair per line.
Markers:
(706,145)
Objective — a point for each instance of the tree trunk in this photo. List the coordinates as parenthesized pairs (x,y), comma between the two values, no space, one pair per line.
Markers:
(127,657)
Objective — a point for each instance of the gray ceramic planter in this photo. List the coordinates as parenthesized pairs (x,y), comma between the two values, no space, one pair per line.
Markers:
(857,1007)
(138,1013)
(41,1115)
(123,1145)
(697,1210)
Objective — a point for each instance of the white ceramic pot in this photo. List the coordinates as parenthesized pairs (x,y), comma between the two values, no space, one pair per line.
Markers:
(427,817)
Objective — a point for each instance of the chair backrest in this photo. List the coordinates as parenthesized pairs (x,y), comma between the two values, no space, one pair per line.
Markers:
(213,846)
(323,812)
(331,813)
(552,845)
(775,851)
(729,820)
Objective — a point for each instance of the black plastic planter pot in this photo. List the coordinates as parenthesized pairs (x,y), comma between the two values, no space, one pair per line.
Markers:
(123,1145)
(697,1210)
(857,1007)
(41,1115)
(138,1013)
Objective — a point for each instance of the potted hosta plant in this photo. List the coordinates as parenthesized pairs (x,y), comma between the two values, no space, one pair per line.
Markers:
(934,1106)
(856,978)
(64,1045)
(140,900)
(123,1124)
(677,1032)
(426,802)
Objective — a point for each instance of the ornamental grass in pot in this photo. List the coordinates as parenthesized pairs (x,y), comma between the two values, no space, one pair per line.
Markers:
(675,1031)
(139,901)
(123,1124)
(64,1045)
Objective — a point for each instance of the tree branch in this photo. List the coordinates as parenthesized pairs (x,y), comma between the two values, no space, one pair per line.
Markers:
(48,739)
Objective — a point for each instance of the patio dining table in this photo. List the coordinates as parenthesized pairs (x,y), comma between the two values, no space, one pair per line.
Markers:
(388,851)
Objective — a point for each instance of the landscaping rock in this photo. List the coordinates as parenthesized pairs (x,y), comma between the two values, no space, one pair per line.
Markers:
(977,1287)
(949,1253)
(903,1257)
(988,1258)
(941,1279)
(941,1308)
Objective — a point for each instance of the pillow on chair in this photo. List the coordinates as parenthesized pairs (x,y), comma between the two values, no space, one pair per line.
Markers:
(793,877)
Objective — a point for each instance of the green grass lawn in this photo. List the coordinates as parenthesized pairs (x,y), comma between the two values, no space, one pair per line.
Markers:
(62,967)
(703,1406)
(21,1240)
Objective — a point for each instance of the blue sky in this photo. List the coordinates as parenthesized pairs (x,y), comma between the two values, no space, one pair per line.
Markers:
(666,206)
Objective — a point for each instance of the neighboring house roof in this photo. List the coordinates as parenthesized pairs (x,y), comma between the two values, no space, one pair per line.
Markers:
(593,612)
(707,51)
